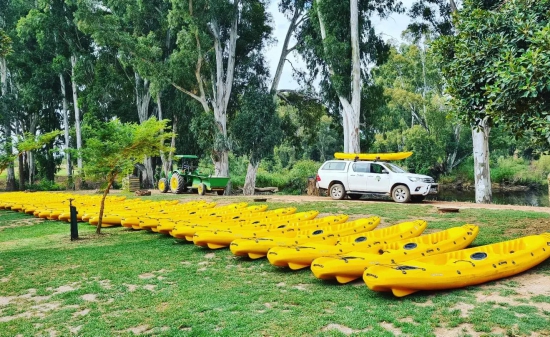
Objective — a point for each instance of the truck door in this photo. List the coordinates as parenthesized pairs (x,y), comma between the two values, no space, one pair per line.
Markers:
(378,178)
(357,176)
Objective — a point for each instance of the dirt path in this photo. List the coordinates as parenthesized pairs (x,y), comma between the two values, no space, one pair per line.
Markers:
(448,204)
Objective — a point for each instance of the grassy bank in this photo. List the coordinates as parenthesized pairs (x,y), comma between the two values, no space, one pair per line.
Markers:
(126,282)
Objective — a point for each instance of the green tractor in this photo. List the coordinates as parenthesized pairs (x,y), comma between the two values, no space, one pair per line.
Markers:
(189,177)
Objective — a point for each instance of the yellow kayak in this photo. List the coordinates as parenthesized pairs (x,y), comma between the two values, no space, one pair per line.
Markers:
(373,156)
(461,268)
(256,248)
(223,238)
(350,266)
(301,256)
(187,231)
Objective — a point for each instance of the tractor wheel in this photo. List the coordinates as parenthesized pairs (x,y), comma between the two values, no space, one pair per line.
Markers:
(220,192)
(201,189)
(177,183)
(163,185)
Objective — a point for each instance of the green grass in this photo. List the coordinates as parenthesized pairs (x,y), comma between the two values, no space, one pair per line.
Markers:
(125,280)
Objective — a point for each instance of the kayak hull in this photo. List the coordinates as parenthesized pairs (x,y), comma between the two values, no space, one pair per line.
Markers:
(351,266)
(461,268)
(301,256)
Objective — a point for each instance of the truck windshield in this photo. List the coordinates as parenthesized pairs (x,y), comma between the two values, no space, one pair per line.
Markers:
(394,168)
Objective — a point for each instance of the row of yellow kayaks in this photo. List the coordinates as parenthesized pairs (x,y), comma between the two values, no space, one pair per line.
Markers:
(395,258)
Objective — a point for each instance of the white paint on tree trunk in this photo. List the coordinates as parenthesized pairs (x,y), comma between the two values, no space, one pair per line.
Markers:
(480,139)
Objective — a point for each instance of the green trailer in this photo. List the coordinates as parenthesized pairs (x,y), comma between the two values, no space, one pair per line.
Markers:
(188,177)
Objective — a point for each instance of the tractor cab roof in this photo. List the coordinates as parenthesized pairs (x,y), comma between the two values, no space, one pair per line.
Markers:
(186,156)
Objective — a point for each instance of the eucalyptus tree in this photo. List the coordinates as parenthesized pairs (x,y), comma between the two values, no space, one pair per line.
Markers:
(138,33)
(443,26)
(339,45)
(214,40)
(52,25)
(5,50)
(9,13)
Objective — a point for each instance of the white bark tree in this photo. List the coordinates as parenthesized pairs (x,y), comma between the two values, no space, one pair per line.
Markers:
(143,98)
(350,110)
(76,112)
(217,100)
(10,178)
(482,173)
(66,126)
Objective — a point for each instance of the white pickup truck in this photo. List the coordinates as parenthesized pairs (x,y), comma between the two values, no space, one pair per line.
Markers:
(354,178)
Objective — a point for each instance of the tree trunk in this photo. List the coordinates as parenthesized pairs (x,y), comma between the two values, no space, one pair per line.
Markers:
(168,165)
(480,137)
(163,159)
(285,51)
(76,113)
(30,157)
(548,186)
(143,98)
(102,205)
(66,124)
(250,180)
(21,158)
(10,172)
(350,110)
(149,181)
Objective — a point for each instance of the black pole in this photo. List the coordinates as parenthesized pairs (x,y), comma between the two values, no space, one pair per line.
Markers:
(74,223)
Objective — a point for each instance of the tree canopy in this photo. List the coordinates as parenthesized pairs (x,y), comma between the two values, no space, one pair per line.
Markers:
(498,65)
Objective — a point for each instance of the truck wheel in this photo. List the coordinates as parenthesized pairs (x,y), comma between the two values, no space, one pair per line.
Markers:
(163,185)
(337,192)
(201,189)
(177,183)
(400,193)
(354,196)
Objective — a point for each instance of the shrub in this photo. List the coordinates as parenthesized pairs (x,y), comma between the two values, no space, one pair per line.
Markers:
(45,185)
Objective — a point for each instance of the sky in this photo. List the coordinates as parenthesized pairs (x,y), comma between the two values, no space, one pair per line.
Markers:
(390,28)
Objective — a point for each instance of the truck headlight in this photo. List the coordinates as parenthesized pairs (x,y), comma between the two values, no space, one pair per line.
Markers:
(413,179)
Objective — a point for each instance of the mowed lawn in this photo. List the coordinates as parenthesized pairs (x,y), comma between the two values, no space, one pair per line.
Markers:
(126,283)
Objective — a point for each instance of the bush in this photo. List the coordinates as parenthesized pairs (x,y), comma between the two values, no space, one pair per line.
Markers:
(297,176)
(45,185)
(292,181)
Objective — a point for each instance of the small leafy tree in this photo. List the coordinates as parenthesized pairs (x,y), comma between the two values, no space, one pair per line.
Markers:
(258,128)
(114,147)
